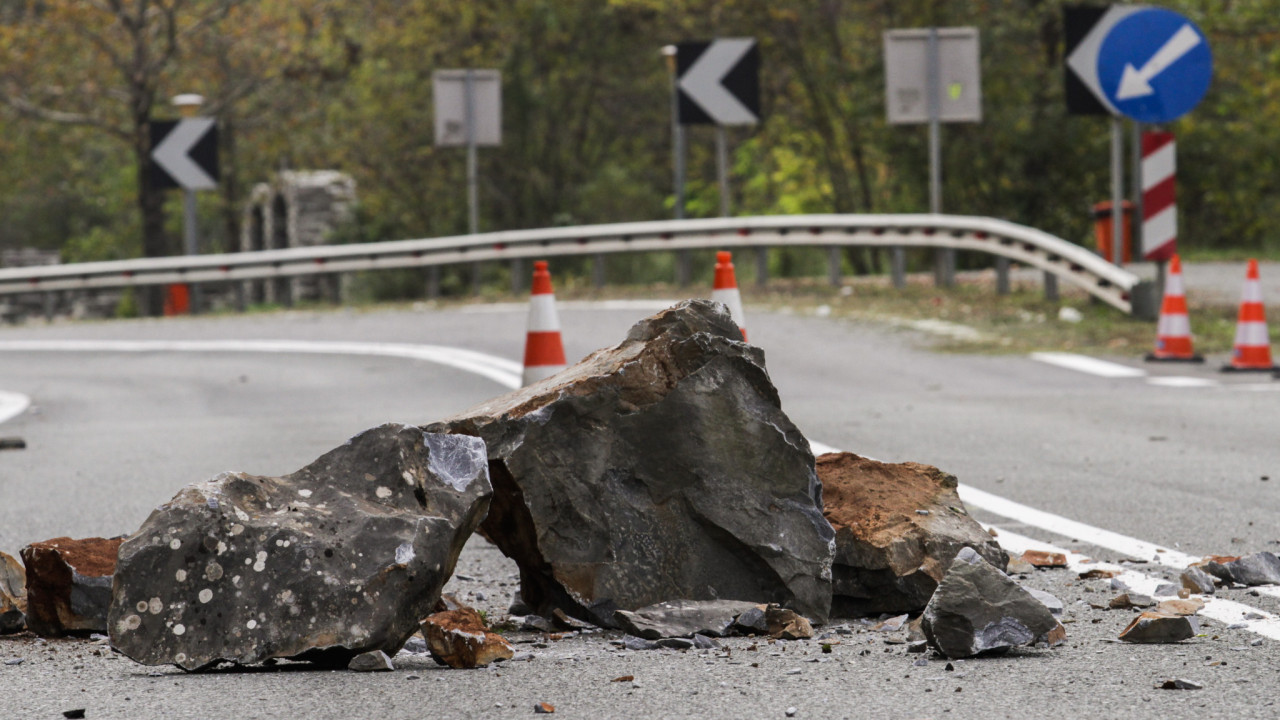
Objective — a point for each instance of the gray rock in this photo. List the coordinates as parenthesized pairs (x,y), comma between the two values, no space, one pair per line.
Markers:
(752,621)
(415,645)
(372,661)
(343,557)
(702,642)
(1261,568)
(1054,604)
(675,643)
(631,642)
(1166,589)
(978,609)
(890,555)
(1198,581)
(518,605)
(1179,684)
(682,618)
(13,595)
(537,623)
(1131,599)
(1157,627)
(661,469)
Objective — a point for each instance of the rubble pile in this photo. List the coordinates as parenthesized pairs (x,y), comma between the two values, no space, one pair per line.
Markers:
(898,527)
(343,557)
(661,469)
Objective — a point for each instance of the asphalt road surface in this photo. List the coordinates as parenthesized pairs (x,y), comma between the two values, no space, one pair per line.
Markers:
(1191,465)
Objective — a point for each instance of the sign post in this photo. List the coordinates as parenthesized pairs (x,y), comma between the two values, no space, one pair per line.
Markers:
(718,83)
(468,112)
(932,76)
(185,155)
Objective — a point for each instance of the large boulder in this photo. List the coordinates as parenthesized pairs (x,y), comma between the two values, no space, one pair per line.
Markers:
(342,557)
(13,595)
(661,469)
(69,584)
(898,527)
(977,609)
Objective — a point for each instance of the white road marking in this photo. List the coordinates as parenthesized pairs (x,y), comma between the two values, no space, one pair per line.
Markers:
(500,370)
(1223,611)
(12,405)
(1085,364)
(642,305)
(1182,382)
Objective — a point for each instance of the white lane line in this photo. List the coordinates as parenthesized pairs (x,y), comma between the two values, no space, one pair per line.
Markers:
(1223,611)
(1085,364)
(12,405)
(500,370)
(643,305)
(1182,382)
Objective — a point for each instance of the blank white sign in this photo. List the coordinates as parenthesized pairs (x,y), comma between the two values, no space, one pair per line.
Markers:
(906,70)
(449,93)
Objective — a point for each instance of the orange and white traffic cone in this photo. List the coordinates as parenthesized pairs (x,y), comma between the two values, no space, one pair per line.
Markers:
(543,348)
(1173,332)
(1253,345)
(725,290)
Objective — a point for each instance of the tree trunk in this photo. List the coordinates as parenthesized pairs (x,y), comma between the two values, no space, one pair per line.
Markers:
(151,205)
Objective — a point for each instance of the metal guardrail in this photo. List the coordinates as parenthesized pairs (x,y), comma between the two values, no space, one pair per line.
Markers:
(1019,243)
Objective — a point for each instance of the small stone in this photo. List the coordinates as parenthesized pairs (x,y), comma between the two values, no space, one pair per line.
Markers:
(922,662)
(1098,574)
(794,671)
(684,618)
(544,708)
(1166,589)
(536,623)
(1018,566)
(1178,606)
(1118,585)
(15,661)
(518,605)
(702,642)
(675,643)
(77,713)
(631,642)
(752,621)
(1156,627)
(1179,684)
(1131,599)
(978,609)
(13,443)
(564,621)
(481,596)
(1054,604)
(1198,581)
(791,712)
(415,645)
(787,624)
(1045,559)
(522,657)
(1237,626)
(893,624)
(624,678)
(459,639)
(372,661)
(1256,642)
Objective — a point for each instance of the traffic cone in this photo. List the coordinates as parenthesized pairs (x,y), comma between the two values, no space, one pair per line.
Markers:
(725,290)
(1253,346)
(543,348)
(1173,332)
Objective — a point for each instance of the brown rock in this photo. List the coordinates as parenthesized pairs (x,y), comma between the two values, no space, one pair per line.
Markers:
(1098,574)
(544,708)
(69,584)
(13,595)
(1043,559)
(1018,566)
(1195,579)
(898,527)
(786,624)
(1180,606)
(1158,627)
(459,639)
(1055,637)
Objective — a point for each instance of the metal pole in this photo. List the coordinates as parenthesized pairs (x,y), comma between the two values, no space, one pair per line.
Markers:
(473,190)
(722,168)
(1135,188)
(191,240)
(677,134)
(1117,190)
(945,257)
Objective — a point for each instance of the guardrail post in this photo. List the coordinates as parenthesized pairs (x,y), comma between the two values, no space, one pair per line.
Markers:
(833,265)
(944,267)
(475,278)
(1050,287)
(433,282)
(1002,276)
(898,267)
(762,266)
(597,271)
(517,276)
(241,295)
(684,268)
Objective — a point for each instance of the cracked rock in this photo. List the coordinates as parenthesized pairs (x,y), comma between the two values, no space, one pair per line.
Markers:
(1198,581)
(682,618)
(661,469)
(1261,568)
(1158,627)
(890,555)
(69,584)
(978,609)
(459,639)
(372,661)
(13,595)
(342,557)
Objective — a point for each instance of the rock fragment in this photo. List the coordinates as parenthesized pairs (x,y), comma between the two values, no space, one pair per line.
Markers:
(682,618)
(1045,559)
(978,609)
(342,557)
(787,624)
(69,584)
(1260,568)
(1018,566)
(1179,684)
(1131,599)
(898,527)
(660,469)
(1158,627)
(372,661)
(1180,606)
(543,708)
(1051,602)
(13,595)
(459,639)
(1198,581)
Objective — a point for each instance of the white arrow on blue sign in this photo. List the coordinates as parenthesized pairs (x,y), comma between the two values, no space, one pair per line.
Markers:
(1150,64)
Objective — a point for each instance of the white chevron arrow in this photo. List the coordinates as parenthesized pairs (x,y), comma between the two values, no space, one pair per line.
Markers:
(173,154)
(1137,83)
(702,82)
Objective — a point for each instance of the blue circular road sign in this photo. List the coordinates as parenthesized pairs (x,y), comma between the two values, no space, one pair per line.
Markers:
(1154,65)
